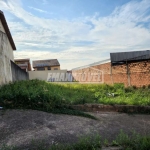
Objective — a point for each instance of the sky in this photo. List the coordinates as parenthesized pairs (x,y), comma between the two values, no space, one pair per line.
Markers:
(77,32)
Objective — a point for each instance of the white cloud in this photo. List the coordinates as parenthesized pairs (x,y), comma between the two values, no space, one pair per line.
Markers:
(37,9)
(80,41)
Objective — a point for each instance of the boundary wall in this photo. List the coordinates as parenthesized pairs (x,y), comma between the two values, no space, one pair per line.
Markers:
(18,73)
(133,74)
(51,75)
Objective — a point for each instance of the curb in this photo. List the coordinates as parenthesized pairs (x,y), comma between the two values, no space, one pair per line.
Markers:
(112,148)
(112,108)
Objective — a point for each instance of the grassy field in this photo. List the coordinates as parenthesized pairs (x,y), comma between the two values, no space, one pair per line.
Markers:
(35,93)
(55,98)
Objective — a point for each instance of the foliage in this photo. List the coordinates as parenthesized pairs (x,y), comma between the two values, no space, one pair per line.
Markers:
(84,143)
(53,97)
(124,141)
(133,142)
(35,94)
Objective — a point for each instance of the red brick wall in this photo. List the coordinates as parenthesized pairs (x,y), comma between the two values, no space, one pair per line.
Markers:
(138,74)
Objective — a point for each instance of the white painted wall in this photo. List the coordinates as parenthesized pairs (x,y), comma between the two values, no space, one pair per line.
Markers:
(59,77)
(44,75)
(6,54)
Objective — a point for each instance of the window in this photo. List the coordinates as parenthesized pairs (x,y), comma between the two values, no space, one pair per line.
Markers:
(55,68)
(49,68)
(40,68)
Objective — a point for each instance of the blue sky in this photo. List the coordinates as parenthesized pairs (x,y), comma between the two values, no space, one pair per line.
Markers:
(77,32)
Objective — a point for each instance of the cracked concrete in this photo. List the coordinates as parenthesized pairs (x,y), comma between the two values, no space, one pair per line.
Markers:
(21,127)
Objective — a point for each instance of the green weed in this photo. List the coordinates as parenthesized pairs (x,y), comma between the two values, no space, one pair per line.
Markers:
(133,142)
(40,95)
(123,140)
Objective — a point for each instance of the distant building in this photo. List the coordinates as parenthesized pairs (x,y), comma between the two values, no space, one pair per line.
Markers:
(24,64)
(49,64)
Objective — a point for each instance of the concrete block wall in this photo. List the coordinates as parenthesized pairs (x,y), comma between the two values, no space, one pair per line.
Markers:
(18,74)
(136,74)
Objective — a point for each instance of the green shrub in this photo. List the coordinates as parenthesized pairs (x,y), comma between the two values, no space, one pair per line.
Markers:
(39,95)
(134,142)
(35,94)
(124,141)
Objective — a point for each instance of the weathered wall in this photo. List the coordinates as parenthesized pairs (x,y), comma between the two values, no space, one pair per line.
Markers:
(10,53)
(43,75)
(98,74)
(6,54)
(17,73)
(137,74)
(140,73)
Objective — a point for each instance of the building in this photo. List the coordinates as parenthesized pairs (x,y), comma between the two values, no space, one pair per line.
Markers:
(7,46)
(24,64)
(49,64)
(131,68)
(9,71)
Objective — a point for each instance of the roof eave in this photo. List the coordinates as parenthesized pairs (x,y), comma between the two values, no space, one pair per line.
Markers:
(4,23)
(20,60)
(45,66)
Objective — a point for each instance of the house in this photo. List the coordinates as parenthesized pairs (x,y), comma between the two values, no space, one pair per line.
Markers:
(7,46)
(24,64)
(49,64)
(9,71)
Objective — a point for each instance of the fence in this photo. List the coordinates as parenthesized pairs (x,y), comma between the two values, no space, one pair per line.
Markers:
(51,75)
(18,73)
(133,74)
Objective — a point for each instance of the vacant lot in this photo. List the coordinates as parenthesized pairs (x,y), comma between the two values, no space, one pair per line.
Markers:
(34,94)
(25,128)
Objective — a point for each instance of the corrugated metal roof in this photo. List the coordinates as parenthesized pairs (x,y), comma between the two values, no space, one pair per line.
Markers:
(22,60)
(130,56)
(45,63)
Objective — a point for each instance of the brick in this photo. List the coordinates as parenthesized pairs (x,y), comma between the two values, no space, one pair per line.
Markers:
(139,74)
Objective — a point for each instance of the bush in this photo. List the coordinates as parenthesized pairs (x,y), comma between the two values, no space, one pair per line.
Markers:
(123,141)
(35,94)
(134,142)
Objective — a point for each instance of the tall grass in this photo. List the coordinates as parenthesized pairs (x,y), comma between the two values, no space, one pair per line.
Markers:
(123,141)
(35,94)
(133,142)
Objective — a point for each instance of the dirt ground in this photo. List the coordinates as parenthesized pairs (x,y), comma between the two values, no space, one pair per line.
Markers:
(22,128)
